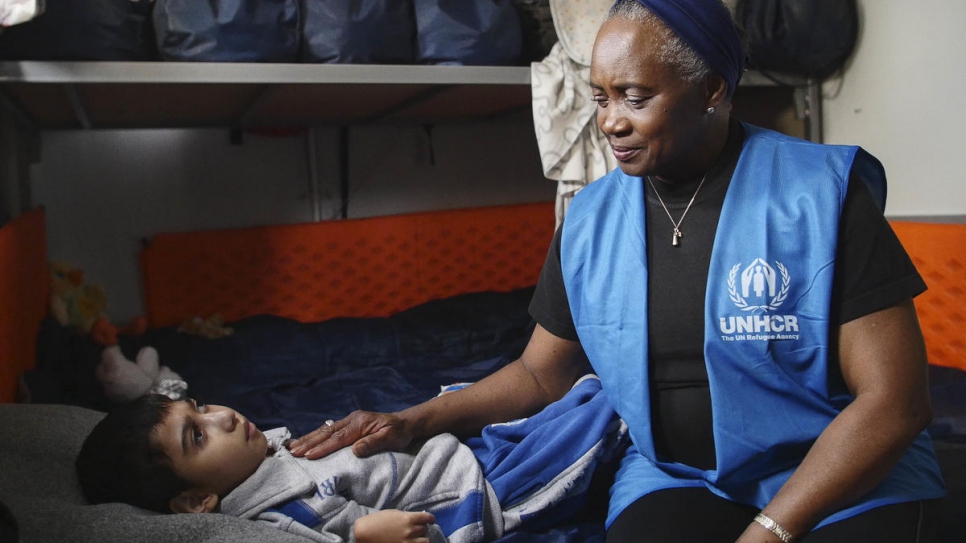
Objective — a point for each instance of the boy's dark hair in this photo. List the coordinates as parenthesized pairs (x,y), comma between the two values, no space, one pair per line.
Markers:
(118,462)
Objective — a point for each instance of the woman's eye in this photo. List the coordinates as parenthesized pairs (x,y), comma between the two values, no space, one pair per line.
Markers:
(634,101)
(197,436)
(601,101)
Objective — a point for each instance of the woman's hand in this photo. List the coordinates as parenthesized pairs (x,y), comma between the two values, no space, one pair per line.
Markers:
(367,432)
(393,526)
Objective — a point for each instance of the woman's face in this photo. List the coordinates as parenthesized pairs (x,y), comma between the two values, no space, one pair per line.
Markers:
(655,121)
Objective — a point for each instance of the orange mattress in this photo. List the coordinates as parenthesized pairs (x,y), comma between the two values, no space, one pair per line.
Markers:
(939,252)
(23,296)
(346,268)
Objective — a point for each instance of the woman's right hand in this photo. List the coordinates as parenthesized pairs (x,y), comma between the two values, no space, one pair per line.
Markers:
(365,431)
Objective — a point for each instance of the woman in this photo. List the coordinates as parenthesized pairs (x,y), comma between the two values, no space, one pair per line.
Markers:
(744,302)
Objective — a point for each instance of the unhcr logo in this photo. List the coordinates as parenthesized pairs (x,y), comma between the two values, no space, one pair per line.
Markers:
(758,282)
(759,288)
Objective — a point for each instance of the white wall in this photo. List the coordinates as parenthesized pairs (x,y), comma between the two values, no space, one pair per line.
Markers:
(104,191)
(902,98)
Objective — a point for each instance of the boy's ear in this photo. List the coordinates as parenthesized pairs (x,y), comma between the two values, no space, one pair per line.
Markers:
(193,500)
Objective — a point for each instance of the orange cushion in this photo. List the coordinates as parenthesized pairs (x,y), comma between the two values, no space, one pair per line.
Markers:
(939,252)
(23,296)
(346,268)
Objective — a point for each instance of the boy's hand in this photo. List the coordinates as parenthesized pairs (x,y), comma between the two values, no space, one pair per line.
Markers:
(367,432)
(393,526)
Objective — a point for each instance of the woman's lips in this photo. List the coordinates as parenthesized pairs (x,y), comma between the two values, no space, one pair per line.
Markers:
(623,154)
(249,429)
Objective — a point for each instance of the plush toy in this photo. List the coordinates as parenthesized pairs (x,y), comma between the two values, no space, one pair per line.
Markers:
(212,328)
(82,306)
(72,302)
(124,380)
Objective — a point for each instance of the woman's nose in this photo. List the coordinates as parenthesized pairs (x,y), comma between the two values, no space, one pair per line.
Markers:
(611,121)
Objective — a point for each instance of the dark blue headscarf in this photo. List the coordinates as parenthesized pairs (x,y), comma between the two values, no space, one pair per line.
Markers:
(707,26)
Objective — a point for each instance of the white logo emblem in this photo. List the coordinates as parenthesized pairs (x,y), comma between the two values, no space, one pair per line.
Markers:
(758,284)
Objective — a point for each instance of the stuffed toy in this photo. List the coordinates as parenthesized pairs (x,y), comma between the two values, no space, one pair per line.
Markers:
(72,302)
(124,380)
(212,328)
(82,306)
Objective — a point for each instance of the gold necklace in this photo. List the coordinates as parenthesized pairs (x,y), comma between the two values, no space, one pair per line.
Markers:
(676,236)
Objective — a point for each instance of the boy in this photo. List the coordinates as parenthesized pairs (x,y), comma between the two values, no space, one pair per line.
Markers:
(182,457)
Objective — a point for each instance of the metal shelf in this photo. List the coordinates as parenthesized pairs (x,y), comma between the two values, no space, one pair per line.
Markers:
(54,95)
(94,95)
(254,73)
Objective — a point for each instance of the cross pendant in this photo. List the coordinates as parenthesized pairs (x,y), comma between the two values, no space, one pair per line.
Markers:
(676,238)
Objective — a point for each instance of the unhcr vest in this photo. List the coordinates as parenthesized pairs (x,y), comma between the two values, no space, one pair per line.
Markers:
(766,323)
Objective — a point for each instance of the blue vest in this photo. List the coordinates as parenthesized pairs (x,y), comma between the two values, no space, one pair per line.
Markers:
(766,322)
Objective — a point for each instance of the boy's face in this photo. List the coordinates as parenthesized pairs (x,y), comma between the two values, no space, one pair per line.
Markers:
(211,447)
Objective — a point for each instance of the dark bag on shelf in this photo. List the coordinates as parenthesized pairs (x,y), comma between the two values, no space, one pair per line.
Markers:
(83,30)
(539,34)
(471,32)
(358,32)
(228,30)
(809,38)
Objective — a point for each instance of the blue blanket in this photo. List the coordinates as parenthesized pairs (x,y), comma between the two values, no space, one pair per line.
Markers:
(542,468)
(280,372)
